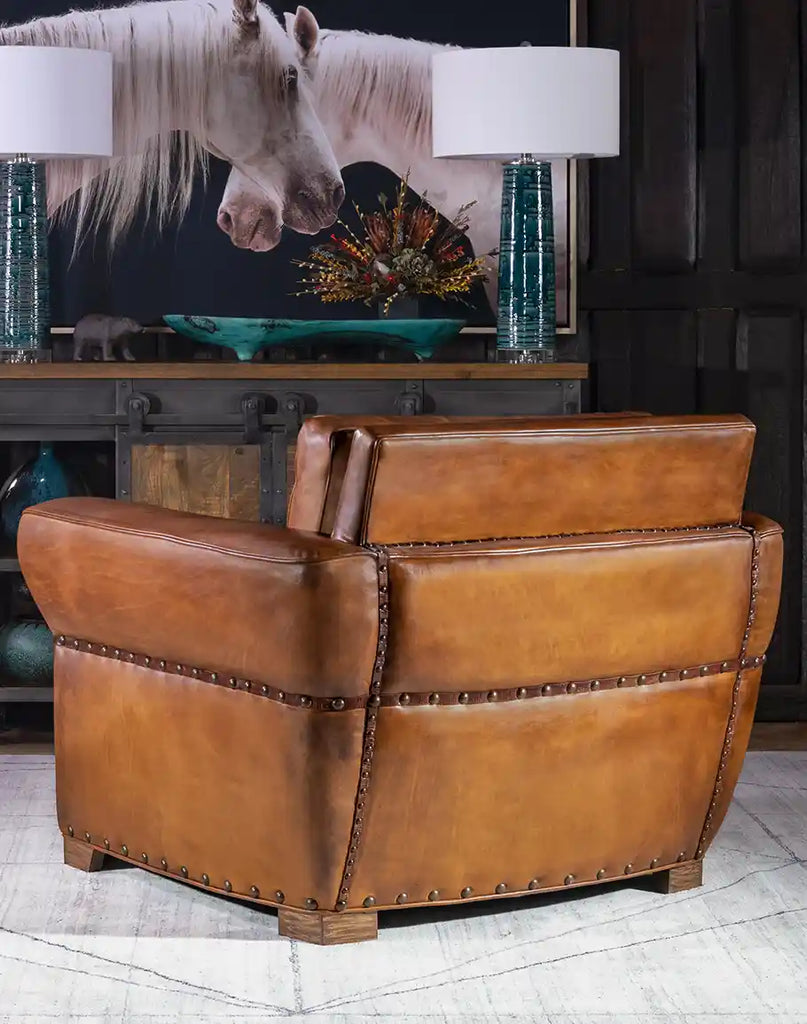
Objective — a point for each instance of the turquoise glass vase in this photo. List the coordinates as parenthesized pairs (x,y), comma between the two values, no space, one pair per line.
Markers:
(24,295)
(41,479)
(527,318)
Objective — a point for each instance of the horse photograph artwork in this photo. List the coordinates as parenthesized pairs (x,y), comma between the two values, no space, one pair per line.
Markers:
(243,132)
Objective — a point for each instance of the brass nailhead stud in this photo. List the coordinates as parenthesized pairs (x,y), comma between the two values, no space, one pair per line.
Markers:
(466,892)
(533,883)
(117,652)
(87,836)
(654,862)
(402,897)
(106,844)
(70,830)
(501,888)
(571,687)
(104,649)
(493,695)
(601,873)
(368,901)
(434,698)
(681,856)
(131,657)
(404,698)
(641,680)
(147,661)
(264,690)
(463,698)
(144,857)
(76,644)
(546,690)
(205,879)
(568,880)
(228,885)
(341,905)
(254,891)
(434,895)
(60,640)
(247,685)
(162,666)
(521,692)
(311,904)
(724,667)
(595,684)
(628,869)
(338,704)
(214,677)
(280,897)
(662,677)
(233,681)
(183,871)
(195,673)
(704,670)
(305,702)
(280,694)
(163,863)
(621,681)
(124,850)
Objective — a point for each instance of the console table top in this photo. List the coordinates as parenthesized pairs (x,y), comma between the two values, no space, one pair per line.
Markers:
(203,370)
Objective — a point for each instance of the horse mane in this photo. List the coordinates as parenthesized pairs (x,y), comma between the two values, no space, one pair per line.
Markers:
(169,58)
(383,78)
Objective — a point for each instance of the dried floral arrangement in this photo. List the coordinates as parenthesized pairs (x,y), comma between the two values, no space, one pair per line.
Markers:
(405,251)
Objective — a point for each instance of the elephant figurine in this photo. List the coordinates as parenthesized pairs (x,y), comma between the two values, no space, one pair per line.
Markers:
(107,334)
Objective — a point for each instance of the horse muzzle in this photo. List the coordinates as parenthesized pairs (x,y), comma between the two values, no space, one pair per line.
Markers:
(250,227)
(313,208)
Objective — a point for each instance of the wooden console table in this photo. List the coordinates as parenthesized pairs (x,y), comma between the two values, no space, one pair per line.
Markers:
(219,437)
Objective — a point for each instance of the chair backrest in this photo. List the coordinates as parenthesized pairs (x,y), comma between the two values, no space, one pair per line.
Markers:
(416,482)
(323,449)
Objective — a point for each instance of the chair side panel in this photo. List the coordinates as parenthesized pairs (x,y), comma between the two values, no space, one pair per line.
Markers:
(225,783)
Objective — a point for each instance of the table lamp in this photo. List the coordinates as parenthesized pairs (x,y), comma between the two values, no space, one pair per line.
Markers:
(55,104)
(524,106)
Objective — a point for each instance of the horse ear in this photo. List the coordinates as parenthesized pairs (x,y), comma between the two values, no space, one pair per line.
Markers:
(306,31)
(245,14)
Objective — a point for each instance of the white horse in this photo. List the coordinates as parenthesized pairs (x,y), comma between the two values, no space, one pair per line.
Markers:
(193,77)
(373,96)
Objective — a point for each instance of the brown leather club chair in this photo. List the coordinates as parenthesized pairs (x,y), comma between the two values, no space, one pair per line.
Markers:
(507,657)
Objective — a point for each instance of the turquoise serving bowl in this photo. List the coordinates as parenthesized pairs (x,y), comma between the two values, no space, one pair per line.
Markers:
(246,336)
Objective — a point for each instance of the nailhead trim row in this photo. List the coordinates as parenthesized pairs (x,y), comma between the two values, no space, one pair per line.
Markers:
(435,699)
(672,675)
(735,693)
(370,721)
(278,898)
(295,700)
(405,545)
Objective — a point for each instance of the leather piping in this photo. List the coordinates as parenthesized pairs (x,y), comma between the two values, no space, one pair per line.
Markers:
(735,691)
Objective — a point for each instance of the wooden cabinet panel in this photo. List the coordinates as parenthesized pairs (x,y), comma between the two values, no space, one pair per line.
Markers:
(210,479)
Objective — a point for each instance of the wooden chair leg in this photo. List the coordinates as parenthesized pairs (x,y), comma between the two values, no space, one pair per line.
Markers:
(678,879)
(82,855)
(327,929)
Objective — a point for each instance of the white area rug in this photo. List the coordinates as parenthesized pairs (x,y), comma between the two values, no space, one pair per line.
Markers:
(126,946)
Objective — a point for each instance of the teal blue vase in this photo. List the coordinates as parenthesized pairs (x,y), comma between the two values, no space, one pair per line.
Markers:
(26,653)
(24,278)
(43,478)
(527,317)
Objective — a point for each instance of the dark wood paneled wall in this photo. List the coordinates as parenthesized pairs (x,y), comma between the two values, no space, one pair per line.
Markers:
(693,284)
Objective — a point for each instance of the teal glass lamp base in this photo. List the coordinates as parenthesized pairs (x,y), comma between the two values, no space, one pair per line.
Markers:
(526,331)
(24,298)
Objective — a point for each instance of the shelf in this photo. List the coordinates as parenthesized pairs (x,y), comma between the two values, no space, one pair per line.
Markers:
(26,694)
(210,370)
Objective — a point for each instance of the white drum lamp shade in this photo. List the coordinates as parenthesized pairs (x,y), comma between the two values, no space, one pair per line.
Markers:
(549,101)
(55,102)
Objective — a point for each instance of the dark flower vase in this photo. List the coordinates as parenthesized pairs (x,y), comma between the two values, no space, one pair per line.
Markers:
(26,653)
(42,478)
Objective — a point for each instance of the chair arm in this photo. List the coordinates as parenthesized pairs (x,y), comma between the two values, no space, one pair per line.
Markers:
(769,543)
(281,607)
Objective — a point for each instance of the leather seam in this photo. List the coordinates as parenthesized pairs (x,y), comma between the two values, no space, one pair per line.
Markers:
(444,698)
(728,737)
(216,548)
